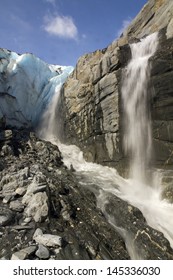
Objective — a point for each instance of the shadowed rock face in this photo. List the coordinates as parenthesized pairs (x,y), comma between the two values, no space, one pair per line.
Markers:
(91,97)
(90,105)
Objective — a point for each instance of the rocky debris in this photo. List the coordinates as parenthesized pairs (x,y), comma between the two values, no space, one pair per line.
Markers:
(37,191)
(63,220)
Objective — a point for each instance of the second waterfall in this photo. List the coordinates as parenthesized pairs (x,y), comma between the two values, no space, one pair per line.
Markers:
(137,124)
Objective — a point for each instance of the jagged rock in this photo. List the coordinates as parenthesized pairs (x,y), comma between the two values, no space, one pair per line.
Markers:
(155,15)
(145,242)
(74,224)
(6,216)
(20,191)
(36,199)
(42,252)
(16,205)
(48,240)
(37,206)
(90,107)
(24,253)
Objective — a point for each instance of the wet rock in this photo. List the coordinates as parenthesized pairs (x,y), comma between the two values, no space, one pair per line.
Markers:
(168,193)
(143,241)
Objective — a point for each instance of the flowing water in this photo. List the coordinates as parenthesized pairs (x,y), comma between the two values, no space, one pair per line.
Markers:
(103,180)
(137,133)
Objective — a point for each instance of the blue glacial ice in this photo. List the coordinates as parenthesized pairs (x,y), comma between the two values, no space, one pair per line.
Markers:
(27,84)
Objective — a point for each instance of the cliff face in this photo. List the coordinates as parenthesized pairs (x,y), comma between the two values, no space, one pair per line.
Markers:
(91,97)
(91,105)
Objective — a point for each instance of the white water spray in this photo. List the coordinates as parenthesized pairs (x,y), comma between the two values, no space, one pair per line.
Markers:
(105,180)
(137,124)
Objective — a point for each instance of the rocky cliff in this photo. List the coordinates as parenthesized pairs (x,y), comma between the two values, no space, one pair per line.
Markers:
(46,211)
(91,97)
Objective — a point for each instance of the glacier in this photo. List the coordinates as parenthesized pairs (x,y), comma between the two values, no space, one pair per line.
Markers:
(27,85)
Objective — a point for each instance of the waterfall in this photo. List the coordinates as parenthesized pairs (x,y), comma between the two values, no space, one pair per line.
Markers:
(137,124)
(105,182)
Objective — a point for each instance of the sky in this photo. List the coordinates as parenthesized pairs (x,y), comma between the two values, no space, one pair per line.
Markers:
(60,31)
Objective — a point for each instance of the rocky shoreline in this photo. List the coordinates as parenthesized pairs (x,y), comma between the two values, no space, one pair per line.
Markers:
(46,214)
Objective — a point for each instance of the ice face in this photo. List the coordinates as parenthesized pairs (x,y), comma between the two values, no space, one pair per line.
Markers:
(26,86)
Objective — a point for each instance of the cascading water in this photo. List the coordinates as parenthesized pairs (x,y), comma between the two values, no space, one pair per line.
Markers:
(106,181)
(137,124)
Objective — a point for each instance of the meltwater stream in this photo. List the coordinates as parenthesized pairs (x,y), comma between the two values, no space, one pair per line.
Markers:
(137,140)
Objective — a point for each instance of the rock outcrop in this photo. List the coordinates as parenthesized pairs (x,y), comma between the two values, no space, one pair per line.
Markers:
(91,97)
(46,214)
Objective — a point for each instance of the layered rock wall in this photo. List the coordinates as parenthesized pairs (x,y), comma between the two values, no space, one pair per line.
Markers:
(91,105)
(162,103)
(91,97)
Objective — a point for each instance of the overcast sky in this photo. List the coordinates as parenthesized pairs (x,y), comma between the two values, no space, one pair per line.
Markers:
(59,31)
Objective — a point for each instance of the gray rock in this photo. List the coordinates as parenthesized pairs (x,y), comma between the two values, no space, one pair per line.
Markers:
(36,205)
(154,16)
(6,216)
(20,191)
(6,135)
(20,255)
(48,240)
(16,205)
(169,31)
(42,252)
(24,253)
(6,150)
(7,198)
(168,193)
